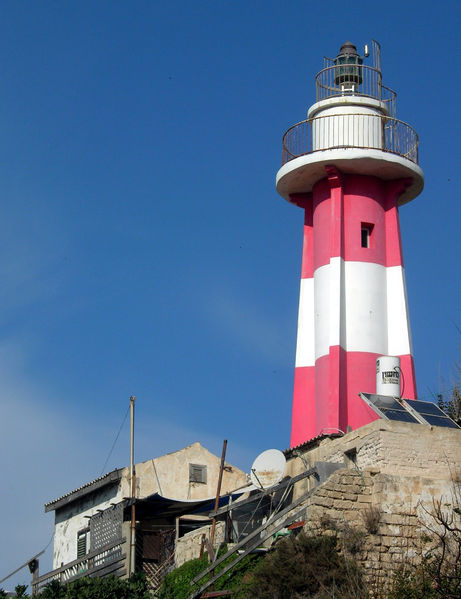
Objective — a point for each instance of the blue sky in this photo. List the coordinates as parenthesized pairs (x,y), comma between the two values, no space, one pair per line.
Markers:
(143,247)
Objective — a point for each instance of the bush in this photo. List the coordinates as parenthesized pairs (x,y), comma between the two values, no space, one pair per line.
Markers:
(306,567)
(176,585)
(110,587)
(412,584)
(298,567)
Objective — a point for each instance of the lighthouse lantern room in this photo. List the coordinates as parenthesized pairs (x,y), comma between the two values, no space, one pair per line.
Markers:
(350,166)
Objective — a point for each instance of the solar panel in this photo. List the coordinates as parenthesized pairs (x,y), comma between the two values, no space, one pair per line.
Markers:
(430,413)
(388,407)
(401,415)
(408,410)
(425,407)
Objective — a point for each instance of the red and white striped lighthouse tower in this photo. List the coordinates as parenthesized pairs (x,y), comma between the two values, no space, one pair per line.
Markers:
(350,166)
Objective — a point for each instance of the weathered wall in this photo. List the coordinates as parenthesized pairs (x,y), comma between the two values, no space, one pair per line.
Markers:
(188,546)
(392,473)
(392,447)
(70,519)
(169,475)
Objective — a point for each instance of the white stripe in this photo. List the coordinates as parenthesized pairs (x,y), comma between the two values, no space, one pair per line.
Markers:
(360,306)
(328,305)
(305,345)
(365,307)
(398,322)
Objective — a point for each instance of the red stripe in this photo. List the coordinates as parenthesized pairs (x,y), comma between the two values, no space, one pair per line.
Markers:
(303,417)
(342,205)
(307,269)
(326,396)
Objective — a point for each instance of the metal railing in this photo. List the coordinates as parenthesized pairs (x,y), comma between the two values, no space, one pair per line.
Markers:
(361,81)
(363,131)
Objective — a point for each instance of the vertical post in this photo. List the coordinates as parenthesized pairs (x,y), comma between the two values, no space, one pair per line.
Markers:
(33,568)
(177,529)
(218,490)
(133,491)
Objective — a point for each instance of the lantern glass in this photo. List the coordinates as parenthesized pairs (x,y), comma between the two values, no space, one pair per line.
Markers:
(348,69)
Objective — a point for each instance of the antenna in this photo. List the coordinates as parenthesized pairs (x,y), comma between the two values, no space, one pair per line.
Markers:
(376,47)
(268,468)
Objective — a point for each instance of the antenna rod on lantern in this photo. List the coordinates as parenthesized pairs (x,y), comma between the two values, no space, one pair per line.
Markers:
(133,489)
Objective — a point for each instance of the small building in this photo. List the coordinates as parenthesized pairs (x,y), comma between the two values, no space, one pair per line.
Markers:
(173,494)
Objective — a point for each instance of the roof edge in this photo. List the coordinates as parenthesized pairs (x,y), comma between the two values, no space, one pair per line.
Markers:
(94,485)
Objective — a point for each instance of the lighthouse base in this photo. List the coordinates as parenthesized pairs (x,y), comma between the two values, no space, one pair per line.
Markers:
(333,404)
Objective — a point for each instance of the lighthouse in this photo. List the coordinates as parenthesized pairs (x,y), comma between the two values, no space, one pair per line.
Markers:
(350,166)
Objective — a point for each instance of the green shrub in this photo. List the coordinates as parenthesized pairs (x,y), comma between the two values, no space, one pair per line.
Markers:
(306,567)
(412,584)
(176,585)
(110,587)
(298,567)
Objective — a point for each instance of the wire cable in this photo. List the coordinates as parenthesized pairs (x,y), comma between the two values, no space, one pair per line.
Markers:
(28,561)
(115,440)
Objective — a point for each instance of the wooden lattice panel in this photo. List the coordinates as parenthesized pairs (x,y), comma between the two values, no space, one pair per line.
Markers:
(106,527)
(153,574)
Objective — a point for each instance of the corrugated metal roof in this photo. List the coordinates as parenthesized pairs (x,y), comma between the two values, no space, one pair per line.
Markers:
(97,483)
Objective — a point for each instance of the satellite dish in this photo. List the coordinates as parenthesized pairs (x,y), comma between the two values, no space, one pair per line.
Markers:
(268,469)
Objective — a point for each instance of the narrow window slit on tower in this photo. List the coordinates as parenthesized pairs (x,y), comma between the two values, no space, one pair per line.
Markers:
(366,231)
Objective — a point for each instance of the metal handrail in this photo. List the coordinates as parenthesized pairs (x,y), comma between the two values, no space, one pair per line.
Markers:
(367,81)
(350,131)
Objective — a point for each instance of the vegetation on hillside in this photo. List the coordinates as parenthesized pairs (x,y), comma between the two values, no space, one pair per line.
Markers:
(451,403)
(110,587)
(176,585)
(302,567)
(298,567)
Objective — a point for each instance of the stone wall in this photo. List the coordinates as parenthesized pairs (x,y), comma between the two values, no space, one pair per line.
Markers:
(390,446)
(188,546)
(381,502)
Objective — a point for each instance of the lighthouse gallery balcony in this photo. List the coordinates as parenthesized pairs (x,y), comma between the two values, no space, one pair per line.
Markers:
(352,130)
(352,125)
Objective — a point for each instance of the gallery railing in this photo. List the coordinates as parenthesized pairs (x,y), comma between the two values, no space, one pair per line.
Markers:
(342,131)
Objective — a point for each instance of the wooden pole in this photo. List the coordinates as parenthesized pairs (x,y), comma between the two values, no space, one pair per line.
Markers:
(218,490)
(133,491)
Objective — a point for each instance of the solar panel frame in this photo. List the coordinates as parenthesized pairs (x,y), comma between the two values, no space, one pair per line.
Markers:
(400,416)
(408,410)
(429,413)
(388,408)
(425,407)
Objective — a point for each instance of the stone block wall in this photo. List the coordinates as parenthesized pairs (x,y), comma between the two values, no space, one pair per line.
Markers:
(360,508)
(381,502)
(188,546)
(390,446)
